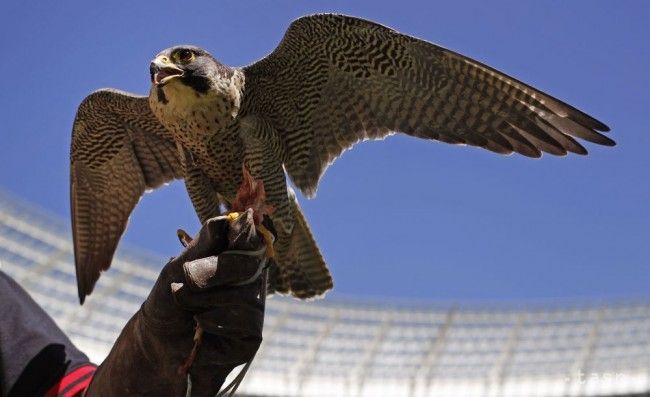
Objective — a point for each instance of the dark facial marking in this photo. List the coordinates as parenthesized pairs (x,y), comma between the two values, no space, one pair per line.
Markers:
(200,84)
(152,70)
(161,96)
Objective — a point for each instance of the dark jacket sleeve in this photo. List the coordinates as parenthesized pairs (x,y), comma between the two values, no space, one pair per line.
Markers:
(36,357)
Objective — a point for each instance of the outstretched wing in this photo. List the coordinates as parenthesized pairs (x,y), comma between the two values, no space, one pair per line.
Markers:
(119,150)
(336,80)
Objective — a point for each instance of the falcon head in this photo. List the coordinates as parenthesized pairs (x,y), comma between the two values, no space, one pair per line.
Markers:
(187,66)
(187,80)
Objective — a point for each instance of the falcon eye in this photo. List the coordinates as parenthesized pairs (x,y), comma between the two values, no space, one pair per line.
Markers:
(184,56)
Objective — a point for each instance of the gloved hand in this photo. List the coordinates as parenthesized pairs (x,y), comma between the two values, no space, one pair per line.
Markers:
(215,281)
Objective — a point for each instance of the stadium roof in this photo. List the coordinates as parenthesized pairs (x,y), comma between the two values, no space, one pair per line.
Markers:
(354,348)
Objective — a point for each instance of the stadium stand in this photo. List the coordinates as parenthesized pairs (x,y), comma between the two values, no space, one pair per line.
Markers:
(358,348)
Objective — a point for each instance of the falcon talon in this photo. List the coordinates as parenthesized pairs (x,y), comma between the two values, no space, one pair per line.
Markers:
(183,237)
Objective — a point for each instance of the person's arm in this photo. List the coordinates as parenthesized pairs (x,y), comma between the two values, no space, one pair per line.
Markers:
(36,357)
(216,281)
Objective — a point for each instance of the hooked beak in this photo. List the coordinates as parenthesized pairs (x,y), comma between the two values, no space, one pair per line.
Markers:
(162,70)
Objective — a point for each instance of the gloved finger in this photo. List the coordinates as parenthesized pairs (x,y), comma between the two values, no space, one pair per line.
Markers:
(231,268)
(197,302)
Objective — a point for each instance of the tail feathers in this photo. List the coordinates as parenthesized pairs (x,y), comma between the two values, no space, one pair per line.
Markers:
(301,270)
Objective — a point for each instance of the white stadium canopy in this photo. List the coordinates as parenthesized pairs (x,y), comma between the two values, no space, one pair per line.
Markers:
(358,348)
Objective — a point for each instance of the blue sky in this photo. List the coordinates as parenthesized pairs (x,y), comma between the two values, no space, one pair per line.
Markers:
(401,217)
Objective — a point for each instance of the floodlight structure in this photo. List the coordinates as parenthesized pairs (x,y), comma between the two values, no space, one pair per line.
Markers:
(358,348)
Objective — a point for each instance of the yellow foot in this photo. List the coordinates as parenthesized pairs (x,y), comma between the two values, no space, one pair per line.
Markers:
(232,216)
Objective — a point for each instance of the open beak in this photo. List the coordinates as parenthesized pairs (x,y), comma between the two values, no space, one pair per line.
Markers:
(162,70)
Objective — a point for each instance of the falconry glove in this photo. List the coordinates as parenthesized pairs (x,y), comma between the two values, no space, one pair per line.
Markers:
(216,283)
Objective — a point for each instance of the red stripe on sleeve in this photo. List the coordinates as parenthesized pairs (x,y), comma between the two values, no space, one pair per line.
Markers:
(69,380)
(77,389)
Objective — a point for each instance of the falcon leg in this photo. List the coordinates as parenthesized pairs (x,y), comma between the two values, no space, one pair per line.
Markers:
(202,192)
(263,158)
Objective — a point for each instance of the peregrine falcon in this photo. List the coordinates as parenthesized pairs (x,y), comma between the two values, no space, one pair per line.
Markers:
(332,81)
